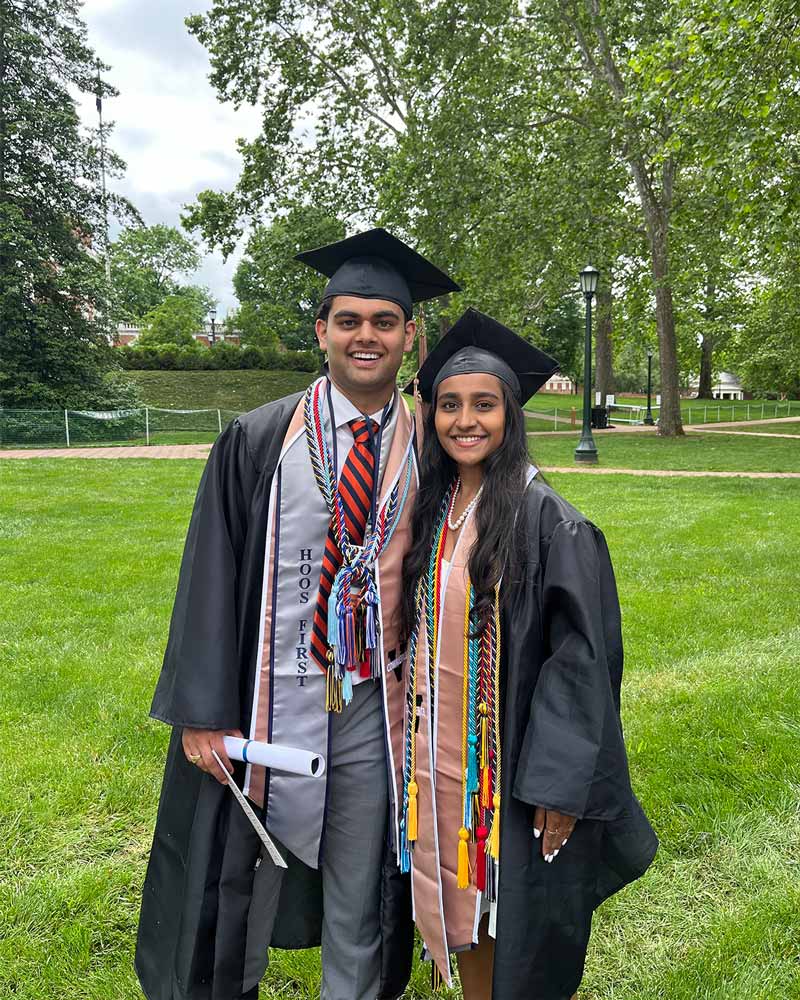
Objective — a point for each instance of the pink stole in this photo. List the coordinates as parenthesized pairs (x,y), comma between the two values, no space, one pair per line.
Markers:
(446,916)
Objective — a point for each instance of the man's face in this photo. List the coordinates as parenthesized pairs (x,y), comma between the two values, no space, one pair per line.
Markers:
(365,340)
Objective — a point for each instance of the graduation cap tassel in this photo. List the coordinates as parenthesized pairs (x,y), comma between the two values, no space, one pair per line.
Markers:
(422,353)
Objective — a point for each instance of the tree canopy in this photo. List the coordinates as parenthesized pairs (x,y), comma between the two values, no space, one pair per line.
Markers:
(513,143)
(277,293)
(54,344)
(145,264)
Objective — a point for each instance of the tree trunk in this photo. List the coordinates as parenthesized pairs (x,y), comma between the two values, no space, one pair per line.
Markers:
(706,389)
(604,371)
(669,418)
(656,213)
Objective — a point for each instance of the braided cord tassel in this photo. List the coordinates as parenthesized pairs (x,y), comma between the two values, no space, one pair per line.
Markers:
(494,834)
(462,874)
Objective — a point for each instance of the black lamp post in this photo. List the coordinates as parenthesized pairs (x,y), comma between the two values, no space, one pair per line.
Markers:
(587,450)
(649,417)
(212,312)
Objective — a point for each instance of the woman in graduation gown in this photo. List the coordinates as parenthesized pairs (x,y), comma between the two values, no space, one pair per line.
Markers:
(518,814)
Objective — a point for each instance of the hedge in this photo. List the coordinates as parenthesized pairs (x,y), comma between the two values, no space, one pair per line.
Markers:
(222,356)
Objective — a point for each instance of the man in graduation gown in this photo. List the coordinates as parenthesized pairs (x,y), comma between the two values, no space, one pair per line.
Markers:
(285,629)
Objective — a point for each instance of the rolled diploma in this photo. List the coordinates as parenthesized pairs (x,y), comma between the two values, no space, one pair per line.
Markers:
(279,758)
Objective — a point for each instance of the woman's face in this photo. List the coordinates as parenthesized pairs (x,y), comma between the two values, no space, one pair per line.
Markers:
(470,417)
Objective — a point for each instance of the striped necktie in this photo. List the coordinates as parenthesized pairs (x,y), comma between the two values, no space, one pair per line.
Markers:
(356,486)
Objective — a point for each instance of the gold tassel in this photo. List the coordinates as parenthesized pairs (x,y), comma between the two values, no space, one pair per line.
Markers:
(494,835)
(486,788)
(412,811)
(483,708)
(463,858)
(333,691)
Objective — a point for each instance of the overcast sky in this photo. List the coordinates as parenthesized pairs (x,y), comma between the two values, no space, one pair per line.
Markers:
(176,138)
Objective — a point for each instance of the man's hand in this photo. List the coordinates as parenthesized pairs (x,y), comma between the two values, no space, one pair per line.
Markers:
(556,828)
(198,744)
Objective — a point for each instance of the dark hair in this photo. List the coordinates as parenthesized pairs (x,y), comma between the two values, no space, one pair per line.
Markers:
(495,551)
(324,309)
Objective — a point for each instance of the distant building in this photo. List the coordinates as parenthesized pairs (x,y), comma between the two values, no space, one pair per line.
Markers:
(725,386)
(129,334)
(560,383)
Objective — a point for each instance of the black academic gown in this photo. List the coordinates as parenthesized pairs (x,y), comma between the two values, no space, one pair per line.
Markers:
(562,749)
(210,909)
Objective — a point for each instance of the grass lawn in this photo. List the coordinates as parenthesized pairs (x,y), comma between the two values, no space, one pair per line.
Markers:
(229,390)
(707,576)
(716,452)
(776,428)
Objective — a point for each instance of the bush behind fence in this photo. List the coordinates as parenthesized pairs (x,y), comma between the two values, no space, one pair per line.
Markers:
(223,356)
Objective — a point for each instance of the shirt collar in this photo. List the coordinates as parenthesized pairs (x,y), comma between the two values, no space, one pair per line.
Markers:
(344,410)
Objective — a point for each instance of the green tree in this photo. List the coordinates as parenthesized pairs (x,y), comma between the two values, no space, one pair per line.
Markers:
(173,321)
(765,353)
(54,351)
(561,336)
(514,142)
(282,295)
(253,323)
(145,264)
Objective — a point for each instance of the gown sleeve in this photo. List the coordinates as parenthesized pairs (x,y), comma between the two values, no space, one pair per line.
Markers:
(573,757)
(200,678)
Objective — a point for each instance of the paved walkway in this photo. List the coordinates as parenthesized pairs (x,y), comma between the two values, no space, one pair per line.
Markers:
(135,451)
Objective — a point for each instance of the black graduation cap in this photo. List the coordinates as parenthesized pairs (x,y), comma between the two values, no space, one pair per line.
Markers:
(376,265)
(478,343)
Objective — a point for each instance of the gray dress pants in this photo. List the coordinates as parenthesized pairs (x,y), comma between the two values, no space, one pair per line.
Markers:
(353,848)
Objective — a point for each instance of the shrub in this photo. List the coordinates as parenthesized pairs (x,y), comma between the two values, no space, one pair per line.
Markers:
(223,356)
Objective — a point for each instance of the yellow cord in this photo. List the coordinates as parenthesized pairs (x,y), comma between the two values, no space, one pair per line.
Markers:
(463,833)
(411,833)
(493,845)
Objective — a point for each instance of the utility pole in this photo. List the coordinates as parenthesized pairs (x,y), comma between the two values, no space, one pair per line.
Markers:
(99,103)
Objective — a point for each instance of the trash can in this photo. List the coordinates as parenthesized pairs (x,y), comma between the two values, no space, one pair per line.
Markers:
(599,418)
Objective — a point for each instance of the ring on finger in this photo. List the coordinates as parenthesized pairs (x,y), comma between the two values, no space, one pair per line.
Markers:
(195,757)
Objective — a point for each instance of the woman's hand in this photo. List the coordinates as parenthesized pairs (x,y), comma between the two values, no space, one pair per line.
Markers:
(556,828)
(198,744)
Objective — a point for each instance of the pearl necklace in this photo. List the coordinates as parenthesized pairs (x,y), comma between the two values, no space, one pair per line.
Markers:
(466,512)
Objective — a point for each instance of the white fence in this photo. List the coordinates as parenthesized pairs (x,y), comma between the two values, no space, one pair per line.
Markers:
(71,427)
